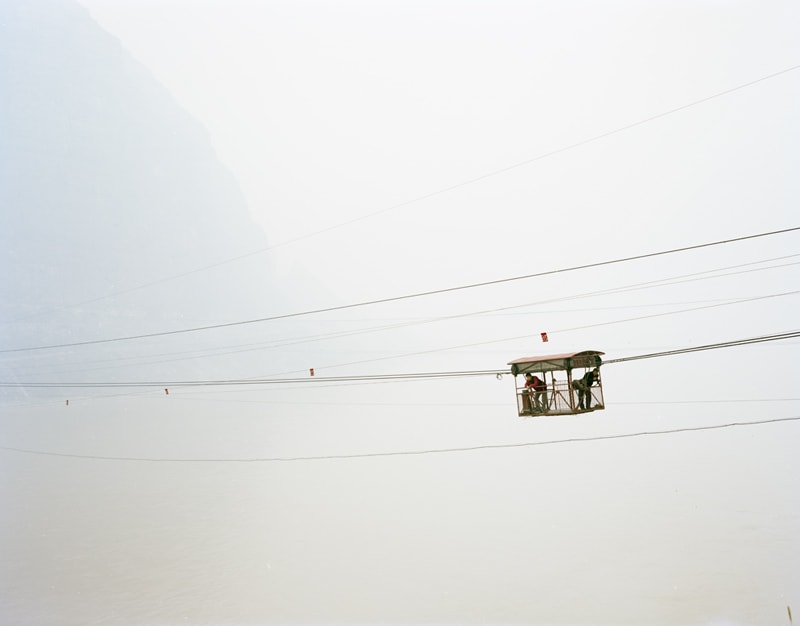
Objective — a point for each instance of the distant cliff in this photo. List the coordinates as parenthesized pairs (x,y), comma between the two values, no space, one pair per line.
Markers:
(106,184)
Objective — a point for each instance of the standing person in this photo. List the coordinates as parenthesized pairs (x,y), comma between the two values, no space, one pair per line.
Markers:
(584,388)
(538,388)
(526,394)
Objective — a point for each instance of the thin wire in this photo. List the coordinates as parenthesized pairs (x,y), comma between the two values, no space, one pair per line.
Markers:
(203,398)
(546,155)
(444,190)
(371,377)
(563,330)
(279,343)
(711,346)
(403,297)
(698,308)
(724,401)
(251,381)
(399,453)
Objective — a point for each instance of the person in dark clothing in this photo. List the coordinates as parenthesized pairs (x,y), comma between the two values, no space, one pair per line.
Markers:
(584,388)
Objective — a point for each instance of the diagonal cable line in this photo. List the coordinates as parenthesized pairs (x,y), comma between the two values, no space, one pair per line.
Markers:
(401,453)
(710,346)
(403,297)
(447,189)
(563,330)
(279,343)
(362,378)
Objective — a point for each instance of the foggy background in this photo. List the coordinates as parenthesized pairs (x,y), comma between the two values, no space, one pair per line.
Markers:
(175,175)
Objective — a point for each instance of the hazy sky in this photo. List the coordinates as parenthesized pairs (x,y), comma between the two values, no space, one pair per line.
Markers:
(332,111)
(391,148)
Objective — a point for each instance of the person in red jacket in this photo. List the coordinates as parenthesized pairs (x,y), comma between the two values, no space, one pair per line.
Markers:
(536,386)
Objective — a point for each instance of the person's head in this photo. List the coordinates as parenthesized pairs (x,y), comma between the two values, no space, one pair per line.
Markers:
(528,375)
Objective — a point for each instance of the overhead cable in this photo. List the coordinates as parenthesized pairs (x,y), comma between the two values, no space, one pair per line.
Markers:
(279,343)
(449,188)
(403,297)
(545,155)
(476,344)
(371,377)
(400,453)
(710,346)
(252,381)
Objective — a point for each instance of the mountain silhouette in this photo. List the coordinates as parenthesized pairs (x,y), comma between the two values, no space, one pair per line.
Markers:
(106,184)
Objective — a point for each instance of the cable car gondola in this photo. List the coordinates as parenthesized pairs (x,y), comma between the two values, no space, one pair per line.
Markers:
(574,384)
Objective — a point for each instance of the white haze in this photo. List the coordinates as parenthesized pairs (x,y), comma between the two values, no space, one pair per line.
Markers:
(175,164)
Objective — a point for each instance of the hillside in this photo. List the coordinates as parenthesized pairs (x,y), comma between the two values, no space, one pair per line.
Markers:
(106,184)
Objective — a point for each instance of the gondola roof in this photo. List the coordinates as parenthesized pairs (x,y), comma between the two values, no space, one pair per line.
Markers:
(556,362)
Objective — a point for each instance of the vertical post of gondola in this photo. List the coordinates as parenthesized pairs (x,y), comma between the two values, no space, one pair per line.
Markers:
(517,396)
(571,390)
